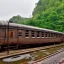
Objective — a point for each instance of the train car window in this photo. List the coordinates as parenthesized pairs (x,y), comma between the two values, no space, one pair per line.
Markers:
(60,35)
(42,34)
(38,34)
(27,33)
(32,34)
(11,34)
(20,34)
(57,35)
(46,34)
(51,34)
(54,35)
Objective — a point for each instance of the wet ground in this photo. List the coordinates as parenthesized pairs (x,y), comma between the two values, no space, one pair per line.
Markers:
(56,59)
(28,58)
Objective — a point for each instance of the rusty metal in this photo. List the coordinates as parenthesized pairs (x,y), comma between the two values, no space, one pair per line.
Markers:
(8,39)
(17,37)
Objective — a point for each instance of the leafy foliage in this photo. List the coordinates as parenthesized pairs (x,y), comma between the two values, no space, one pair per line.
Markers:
(47,14)
(18,19)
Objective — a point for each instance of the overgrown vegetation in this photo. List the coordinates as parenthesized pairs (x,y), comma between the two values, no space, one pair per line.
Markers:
(47,14)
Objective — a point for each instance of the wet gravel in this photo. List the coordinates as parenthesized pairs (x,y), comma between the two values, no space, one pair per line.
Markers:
(53,59)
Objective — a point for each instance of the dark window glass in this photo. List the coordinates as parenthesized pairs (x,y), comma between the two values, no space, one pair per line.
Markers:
(20,34)
(27,33)
(38,34)
(54,35)
(46,34)
(32,34)
(49,34)
(42,34)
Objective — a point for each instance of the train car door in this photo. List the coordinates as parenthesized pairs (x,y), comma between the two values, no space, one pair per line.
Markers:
(10,34)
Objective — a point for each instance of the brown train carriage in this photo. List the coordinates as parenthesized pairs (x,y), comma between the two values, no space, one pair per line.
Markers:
(18,34)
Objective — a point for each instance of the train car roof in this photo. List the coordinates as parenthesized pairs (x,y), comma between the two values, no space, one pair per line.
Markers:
(5,23)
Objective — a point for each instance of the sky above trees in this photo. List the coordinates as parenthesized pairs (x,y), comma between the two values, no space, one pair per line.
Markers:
(9,8)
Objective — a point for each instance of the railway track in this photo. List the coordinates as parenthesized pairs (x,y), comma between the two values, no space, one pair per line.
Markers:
(25,51)
(41,61)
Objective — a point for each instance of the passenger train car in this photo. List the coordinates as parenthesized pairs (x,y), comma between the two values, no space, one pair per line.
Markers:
(18,34)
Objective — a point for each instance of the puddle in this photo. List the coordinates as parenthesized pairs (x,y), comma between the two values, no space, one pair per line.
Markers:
(27,57)
(20,57)
(16,58)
